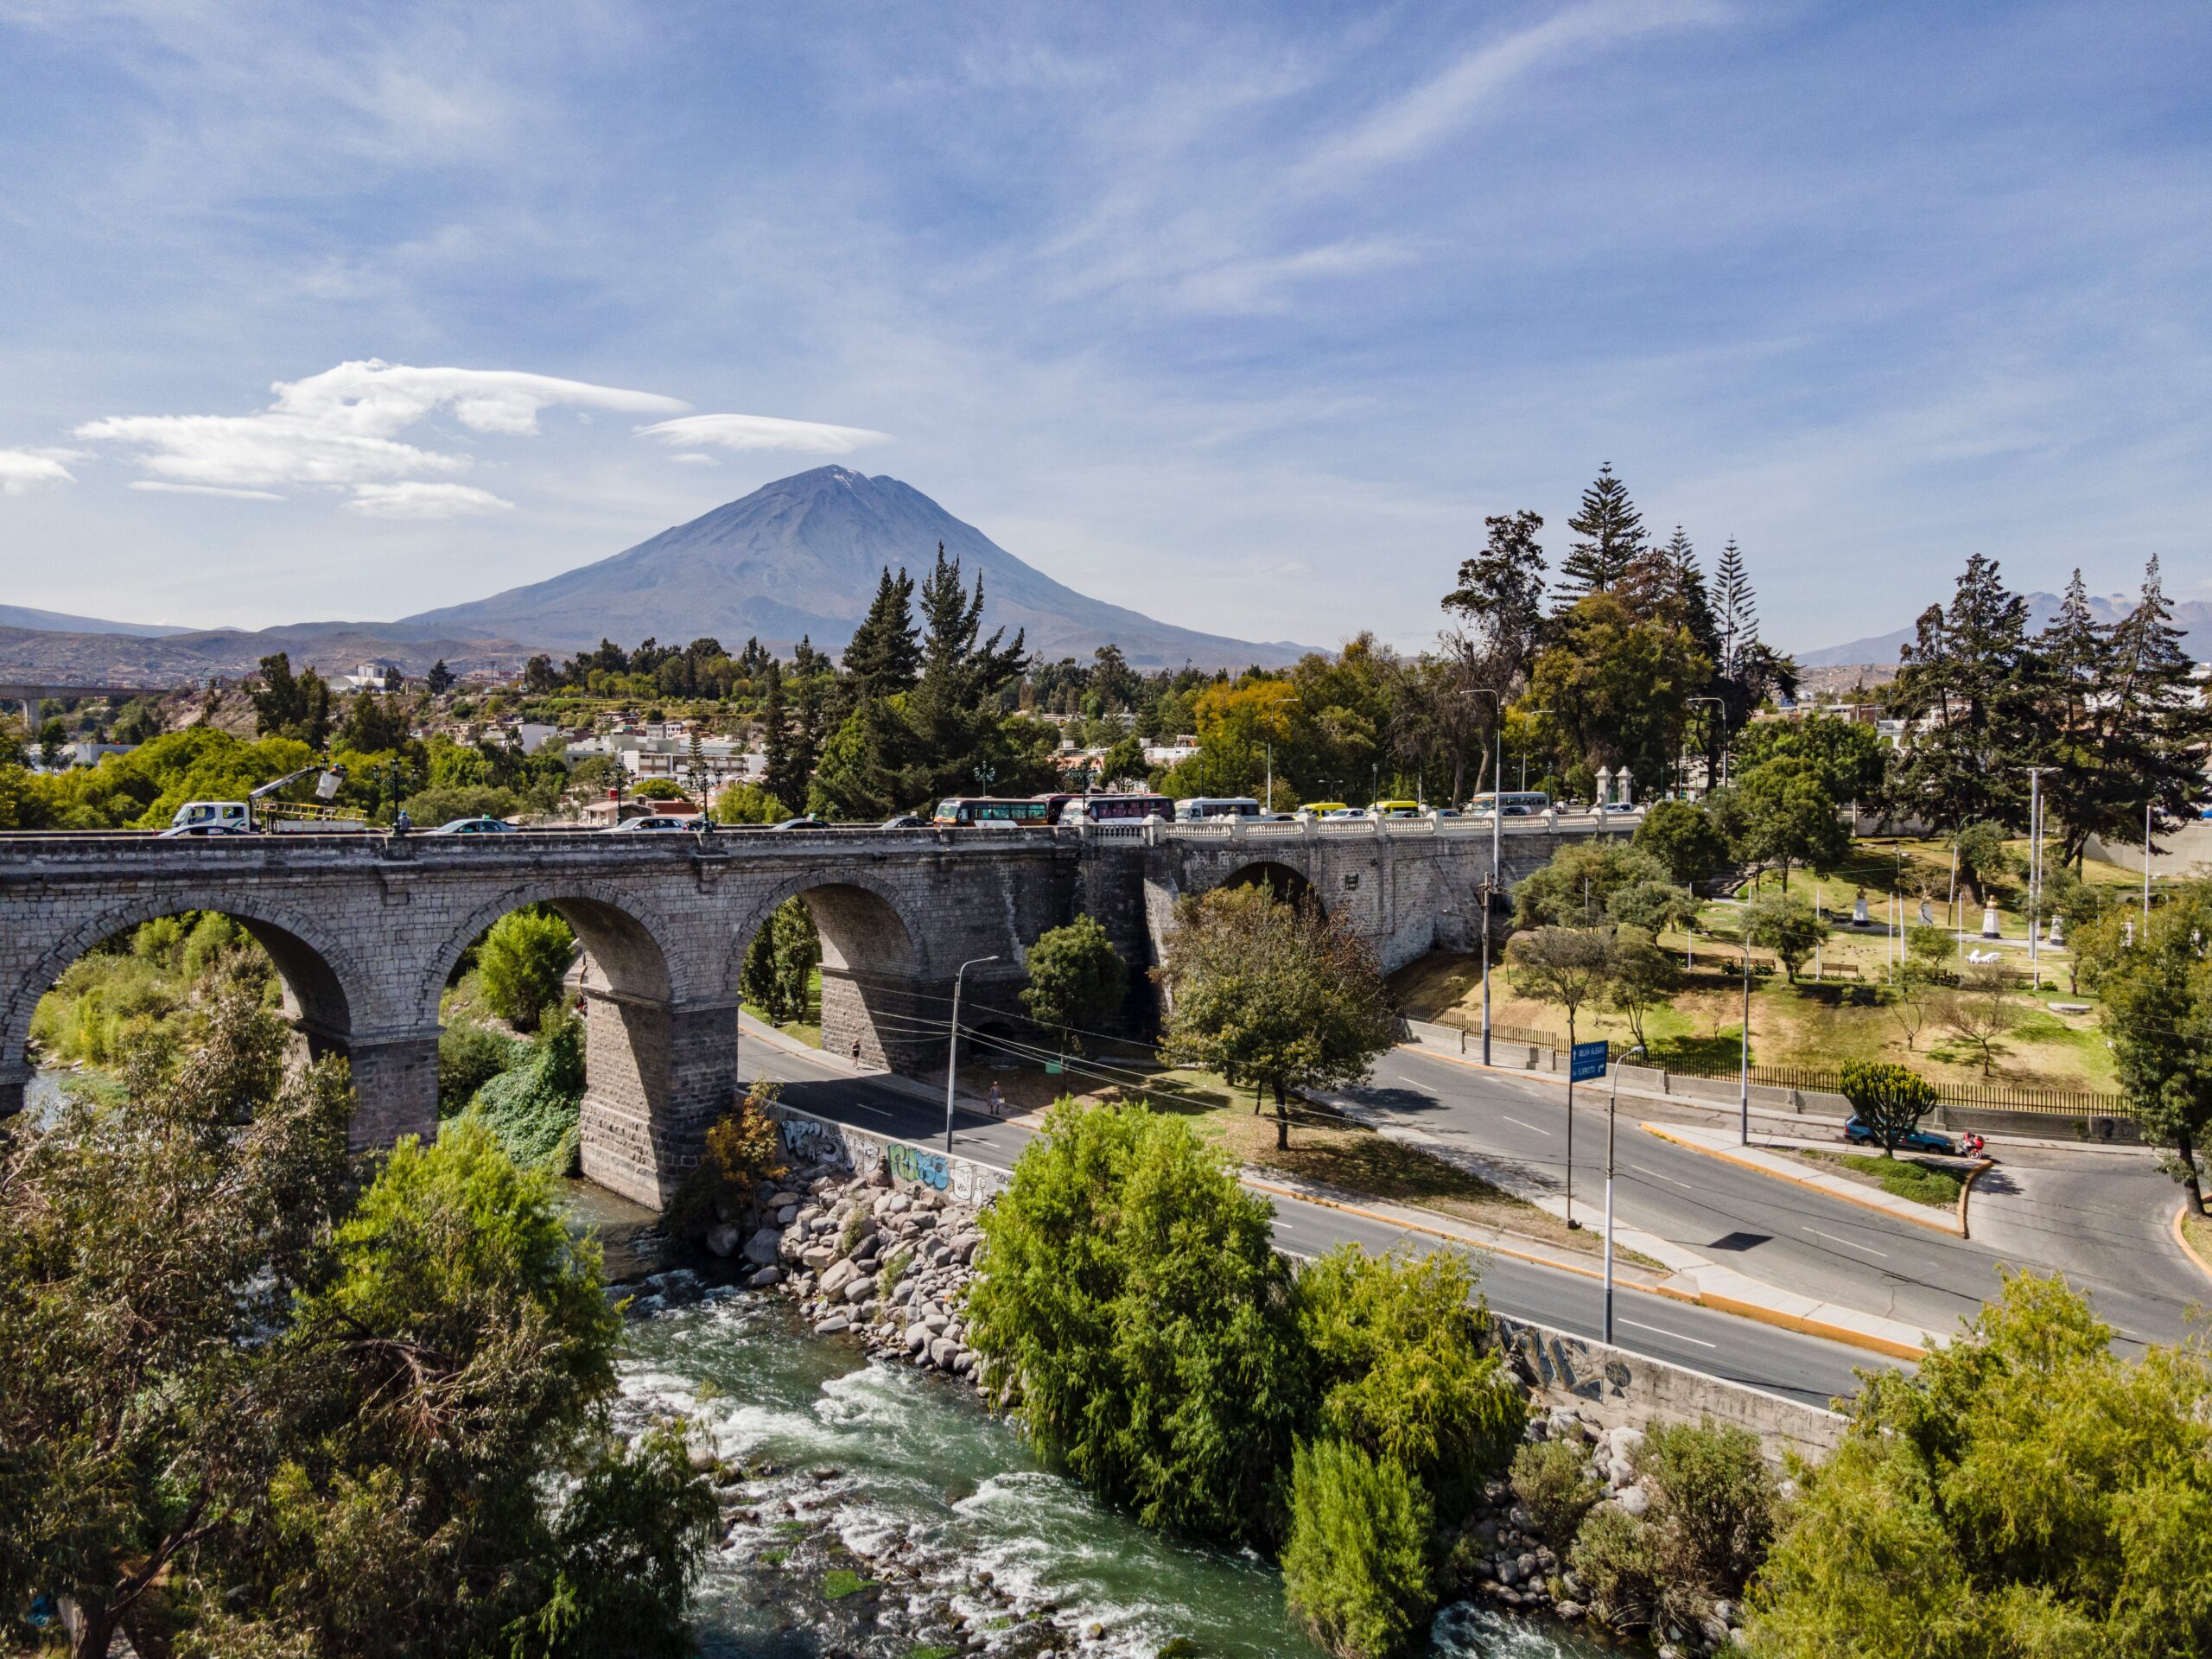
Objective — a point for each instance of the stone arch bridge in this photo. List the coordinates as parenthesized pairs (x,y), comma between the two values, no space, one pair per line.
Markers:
(366,931)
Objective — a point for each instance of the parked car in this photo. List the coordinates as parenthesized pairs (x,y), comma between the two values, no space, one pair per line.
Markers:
(903,821)
(653,825)
(176,829)
(479,826)
(1917,1140)
(808,822)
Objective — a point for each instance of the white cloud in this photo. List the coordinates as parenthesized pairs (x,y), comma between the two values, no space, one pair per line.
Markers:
(1412,123)
(760,432)
(694,457)
(414,498)
(166,488)
(341,427)
(22,472)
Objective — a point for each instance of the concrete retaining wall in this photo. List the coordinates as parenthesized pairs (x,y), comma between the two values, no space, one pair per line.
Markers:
(1622,1390)
(1609,1384)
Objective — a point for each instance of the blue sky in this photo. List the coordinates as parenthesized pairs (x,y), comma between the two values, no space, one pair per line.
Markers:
(1241,315)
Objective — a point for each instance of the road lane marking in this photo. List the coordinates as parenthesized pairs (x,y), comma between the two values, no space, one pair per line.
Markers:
(1847,1243)
(1661,1331)
(1545,1133)
(1657,1176)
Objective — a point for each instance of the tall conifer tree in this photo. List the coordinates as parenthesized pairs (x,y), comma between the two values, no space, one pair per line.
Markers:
(883,656)
(1969,682)
(1612,536)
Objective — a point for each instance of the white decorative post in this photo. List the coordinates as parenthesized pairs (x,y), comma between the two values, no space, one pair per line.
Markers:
(1604,789)
(1626,787)
(1989,927)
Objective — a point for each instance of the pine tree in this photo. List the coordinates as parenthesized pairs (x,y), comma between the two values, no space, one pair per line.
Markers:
(1969,684)
(1736,611)
(1690,591)
(2156,723)
(884,657)
(779,780)
(1612,536)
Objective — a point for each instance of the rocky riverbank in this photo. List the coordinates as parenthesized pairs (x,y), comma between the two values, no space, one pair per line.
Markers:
(859,1255)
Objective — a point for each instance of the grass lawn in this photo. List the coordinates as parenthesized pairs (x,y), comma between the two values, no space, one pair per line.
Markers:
(808,1030)
(1902,1177)
(1810,1027)
(2198,1231)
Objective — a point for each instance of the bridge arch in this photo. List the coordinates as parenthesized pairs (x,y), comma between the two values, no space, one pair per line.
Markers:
(325,986)
(875,988)
(660,1061)
(1287,881)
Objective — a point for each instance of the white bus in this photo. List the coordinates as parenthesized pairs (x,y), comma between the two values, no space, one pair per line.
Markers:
(1519,803)
(1196,809)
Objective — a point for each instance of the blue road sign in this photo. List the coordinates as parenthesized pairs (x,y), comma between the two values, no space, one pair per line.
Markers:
(1588,1064)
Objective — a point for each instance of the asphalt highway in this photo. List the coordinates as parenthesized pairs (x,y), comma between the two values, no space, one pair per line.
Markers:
(2098,1217)
(1721,1345)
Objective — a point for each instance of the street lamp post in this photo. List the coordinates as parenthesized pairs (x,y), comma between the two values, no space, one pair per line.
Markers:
(952,1044)
(1613,1099)
(1743,1097)
(1496,851)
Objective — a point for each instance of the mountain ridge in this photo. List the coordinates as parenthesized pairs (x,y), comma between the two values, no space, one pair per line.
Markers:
(802,556)
(2192,616)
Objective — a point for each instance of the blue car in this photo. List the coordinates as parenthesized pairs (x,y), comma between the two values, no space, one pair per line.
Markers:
(1916,1140)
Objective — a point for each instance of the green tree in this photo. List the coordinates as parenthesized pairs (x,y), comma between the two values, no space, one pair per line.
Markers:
(435,805)
(376,722)
(1357,1567)
(440,680)
(1124,758)
(1613,537)
(1578,886)
(1644,977)
(1403,1367)
(1983,859)
(289,705)
(1075,980)
(1788,816)
(884,657)
(1968,684)
(1682,836)
(1616,683)
(1890,1100)
(749,804)
(533,1106)
(2156,1012)
(1135,1309)
(2022,1491)
(521,963)
(1848,756)
(249,1405)
(779,963)
(1787,927)
(1568,967)
(1273,995)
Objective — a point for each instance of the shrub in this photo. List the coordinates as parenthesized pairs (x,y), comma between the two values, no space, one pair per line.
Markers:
(1075,980)
(1713,1501)
(785,951)
(1403,1368)
(1355,1570)
(444,802)
(469,1056)
(1559,1486)
(521,964)
(1615,1558)
(1135,1298)
(742,1152)
(531,1110)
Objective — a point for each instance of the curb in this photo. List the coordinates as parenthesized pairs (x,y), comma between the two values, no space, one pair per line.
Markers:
(1965,1188)
(1757,1312)
(2181,1238)
(1955,1227)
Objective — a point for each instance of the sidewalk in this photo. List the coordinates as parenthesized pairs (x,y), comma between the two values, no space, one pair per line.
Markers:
(1712,1143)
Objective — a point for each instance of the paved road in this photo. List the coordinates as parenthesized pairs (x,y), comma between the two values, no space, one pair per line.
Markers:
(1803,1367)
(2098,1217)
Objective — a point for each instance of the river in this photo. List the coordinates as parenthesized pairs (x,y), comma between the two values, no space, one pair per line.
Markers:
(887,1474)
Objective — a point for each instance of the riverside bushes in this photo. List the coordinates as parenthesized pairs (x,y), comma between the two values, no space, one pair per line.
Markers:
(2025,1491)
(1711,1513)
(1162,1349)
(531,1110)
(1357,1567)
(1558,1485)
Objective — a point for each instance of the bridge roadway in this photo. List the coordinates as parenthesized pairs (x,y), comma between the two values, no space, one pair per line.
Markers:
(1719,1344)
(367,930)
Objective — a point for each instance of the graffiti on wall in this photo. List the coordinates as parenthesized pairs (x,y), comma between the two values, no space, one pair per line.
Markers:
(815,1140)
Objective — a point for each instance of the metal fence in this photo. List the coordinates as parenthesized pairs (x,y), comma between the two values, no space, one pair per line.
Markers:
(1986,1096)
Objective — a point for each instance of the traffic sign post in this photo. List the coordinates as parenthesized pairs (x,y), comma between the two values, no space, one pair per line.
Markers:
(1586,1062)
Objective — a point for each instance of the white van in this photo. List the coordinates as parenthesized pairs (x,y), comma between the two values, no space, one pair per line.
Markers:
(210,818)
